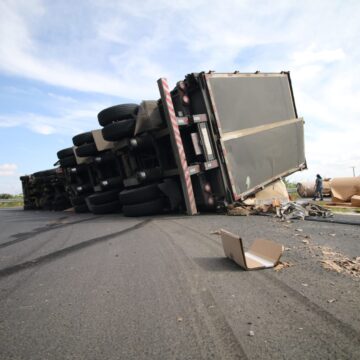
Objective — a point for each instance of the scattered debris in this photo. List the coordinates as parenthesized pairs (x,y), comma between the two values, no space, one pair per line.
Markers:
(299,230)
(240,210)
(305,241)
(283,265)
(251,333)
(284,210)
(303,235)
(331,265)
(317,210)
(291,210)
(335,261)
(331,301)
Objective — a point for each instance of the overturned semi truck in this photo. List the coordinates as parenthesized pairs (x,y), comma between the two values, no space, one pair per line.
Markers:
(212,140)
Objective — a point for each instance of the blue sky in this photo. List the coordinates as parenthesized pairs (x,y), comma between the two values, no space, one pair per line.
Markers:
(61,62)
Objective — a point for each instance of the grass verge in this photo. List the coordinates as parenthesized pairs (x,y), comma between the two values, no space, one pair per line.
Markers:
(11,204)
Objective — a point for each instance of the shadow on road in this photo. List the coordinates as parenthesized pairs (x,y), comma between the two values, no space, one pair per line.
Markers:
(217,264)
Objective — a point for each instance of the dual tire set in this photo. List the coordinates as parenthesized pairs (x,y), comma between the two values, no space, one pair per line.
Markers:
(143,201)
(45,190)
(96,183)
(118,123)
(78,185)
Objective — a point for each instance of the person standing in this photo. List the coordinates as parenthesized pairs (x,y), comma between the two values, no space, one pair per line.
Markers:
(318,187)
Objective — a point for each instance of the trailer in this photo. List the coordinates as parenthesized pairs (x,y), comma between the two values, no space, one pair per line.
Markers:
(211,140)
(244,130)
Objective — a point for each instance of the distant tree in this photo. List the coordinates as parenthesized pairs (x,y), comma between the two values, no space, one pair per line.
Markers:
(289,184)
(5,196)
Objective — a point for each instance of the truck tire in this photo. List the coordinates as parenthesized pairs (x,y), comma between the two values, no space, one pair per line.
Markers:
(105,157)
(65,153)
(119,130)
(68,161)
(77,200)
(153,207)
(40,174)
(107,208)
(81,208)
(84,138)
(116,113)
(111,183)
(46,179)
(140,194)
(87,150)
(103,197)
(60,204)
(78,169)
(84,188)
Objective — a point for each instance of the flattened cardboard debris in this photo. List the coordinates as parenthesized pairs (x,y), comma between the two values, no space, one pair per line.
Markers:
(262,254)
(100,142)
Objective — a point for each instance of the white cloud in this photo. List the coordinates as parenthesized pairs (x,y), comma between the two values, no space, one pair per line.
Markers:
(69,121)
(311,55)
(21,55)
(8,169)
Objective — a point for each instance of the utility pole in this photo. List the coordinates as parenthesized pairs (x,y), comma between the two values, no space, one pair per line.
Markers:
(353,167)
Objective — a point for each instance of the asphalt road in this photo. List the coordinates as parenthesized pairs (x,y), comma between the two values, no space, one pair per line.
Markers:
(87,287)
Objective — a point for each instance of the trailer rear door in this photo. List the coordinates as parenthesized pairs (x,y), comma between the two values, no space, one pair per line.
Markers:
(261,137)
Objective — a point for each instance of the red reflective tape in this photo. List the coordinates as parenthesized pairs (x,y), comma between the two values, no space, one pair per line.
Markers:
(165,85)
(177,137)
(172,114)
(173,120)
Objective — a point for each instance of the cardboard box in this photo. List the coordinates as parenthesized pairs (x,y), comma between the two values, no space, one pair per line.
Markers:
(343,189)
(100,142)
(262,254)
(276,191)
(355,200)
